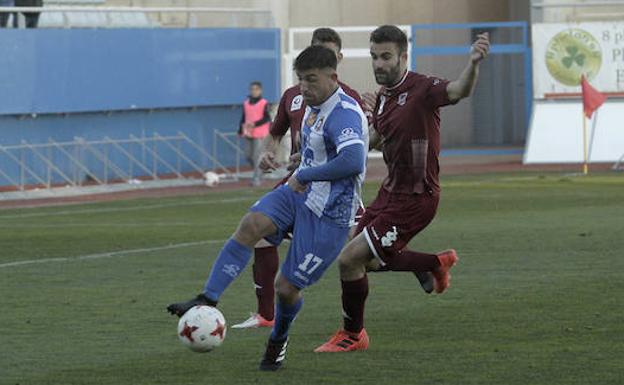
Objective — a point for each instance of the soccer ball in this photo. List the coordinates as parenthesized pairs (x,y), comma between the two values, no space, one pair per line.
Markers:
(202,328)
(211,179)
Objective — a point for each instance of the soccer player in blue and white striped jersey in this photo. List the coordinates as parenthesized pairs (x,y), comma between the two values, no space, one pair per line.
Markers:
(317,205)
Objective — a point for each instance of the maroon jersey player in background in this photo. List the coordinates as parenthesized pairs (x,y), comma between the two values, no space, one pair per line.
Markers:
(406,118)
(290,112)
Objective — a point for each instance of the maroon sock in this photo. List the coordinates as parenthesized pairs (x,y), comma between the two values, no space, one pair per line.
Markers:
(266,261)
(408,260)
(354,295)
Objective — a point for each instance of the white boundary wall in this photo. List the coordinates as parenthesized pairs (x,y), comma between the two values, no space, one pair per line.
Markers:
(556,134)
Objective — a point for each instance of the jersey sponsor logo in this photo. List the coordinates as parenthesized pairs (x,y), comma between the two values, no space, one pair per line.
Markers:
(390,237)
(296,103)
(436,82)
(402,99)
(347,134)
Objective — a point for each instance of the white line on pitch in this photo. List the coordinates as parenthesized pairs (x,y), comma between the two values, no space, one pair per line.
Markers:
(97,224)
(110,254)
(119,209)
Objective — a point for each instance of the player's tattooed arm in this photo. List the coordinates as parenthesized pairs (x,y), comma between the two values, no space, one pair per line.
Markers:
(465,84)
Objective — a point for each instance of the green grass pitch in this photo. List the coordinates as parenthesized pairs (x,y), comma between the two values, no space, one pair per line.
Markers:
(537,297)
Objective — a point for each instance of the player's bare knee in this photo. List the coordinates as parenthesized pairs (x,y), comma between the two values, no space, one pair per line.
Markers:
(347,262)
(286,292)
(252,228)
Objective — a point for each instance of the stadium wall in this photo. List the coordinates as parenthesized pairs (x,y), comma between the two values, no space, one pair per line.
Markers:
(62,84)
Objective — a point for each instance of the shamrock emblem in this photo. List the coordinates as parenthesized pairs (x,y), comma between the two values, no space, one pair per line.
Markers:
(574,57)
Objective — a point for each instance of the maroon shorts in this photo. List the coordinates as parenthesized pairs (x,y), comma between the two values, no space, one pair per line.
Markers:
(392,220)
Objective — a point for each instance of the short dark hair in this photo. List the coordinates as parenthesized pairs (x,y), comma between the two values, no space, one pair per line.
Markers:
(390,34)
(255,83)
(315,56)
(326,35)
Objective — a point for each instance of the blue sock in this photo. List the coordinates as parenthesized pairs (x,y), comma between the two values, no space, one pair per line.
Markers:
(231,261)
(284,317)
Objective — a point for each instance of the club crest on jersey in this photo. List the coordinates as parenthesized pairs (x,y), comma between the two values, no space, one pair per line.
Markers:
(402,99)
(296,103)
(311,118)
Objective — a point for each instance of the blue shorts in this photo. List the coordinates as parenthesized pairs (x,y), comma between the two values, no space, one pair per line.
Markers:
(316,242)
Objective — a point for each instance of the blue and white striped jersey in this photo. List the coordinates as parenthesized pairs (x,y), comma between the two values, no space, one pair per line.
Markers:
(326,129)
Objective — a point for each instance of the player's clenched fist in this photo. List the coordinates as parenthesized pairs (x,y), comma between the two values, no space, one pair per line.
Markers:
(369,100)
(295,185)
(268,162)
(294,161)
(480,48)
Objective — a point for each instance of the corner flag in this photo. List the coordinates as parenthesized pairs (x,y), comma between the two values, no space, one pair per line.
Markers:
(592,99)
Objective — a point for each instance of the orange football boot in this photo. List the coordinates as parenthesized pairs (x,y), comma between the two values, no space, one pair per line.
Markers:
(441,276)
(344,341)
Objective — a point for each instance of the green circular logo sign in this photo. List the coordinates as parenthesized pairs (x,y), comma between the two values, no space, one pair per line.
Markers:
(570,54)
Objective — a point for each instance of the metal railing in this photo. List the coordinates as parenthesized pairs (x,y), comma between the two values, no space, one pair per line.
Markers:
(233,144)
(191,20)
(100,162)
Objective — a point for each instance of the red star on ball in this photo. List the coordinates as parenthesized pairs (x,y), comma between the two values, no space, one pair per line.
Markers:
(219,330)
(188,331)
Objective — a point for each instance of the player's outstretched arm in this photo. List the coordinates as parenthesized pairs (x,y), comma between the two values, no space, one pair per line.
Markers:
(465,84)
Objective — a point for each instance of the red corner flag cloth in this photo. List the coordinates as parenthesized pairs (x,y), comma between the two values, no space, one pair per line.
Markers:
(592,99)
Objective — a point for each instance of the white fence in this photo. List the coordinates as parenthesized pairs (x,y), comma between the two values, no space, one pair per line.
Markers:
(115,17)
(83,162)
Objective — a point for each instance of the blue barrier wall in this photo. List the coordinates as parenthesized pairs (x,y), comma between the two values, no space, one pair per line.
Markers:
(62,84)
(77,70)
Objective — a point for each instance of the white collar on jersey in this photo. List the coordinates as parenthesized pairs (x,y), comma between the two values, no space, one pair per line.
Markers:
(399,83)
(331,100)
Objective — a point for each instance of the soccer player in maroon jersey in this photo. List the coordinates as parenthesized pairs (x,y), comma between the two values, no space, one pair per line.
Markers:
(289,115)
(406,118)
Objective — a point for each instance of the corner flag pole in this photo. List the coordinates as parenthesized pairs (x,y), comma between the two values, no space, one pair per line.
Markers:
(592,100)
(585,167)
